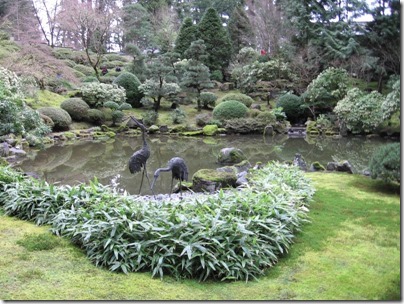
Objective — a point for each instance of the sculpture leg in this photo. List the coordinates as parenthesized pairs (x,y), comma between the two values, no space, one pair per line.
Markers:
(147,176)
(141,182)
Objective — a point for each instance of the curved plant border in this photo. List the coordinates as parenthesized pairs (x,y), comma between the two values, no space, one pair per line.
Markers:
(232,235)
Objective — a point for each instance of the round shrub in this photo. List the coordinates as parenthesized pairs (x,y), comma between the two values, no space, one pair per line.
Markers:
(111,104)
(125,106)
(385,163)
(95,116)
(244,99)
(230,109)
(60,117)
(208,99)
(76,107)
(291,105)
(131,85)
(117,116)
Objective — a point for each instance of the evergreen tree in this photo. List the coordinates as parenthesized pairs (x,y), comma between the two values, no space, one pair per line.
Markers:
(188,33)
(216,39)
(240,29)
(197,74)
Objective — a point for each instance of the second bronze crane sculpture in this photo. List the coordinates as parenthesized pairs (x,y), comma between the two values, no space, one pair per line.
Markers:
(139,159)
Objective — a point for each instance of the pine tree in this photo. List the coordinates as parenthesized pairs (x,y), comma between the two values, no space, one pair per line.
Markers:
(187,34)
(197,74)
(216,39)
(240,29)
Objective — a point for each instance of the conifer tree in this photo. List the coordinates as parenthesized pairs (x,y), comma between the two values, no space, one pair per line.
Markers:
(197,74)
(188,34)
(240,29)
(216,39)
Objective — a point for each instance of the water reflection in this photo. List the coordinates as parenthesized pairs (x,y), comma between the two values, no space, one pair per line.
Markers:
(82,161)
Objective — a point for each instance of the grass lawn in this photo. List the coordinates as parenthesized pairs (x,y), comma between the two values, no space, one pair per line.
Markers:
(349,251)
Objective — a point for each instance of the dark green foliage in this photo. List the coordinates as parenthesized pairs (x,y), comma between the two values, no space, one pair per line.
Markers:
(37,242)
(208,99)
(178,116)
(125,106)
(240,29)
(243,98)
(188,33)
(292,105)
(95,116)
(235,235)
(150,117)
(385,163)
(76,107)
(117,116)
(230,109)
(60,117)
(131,85)
(217,75)
(216,39)
(138,66)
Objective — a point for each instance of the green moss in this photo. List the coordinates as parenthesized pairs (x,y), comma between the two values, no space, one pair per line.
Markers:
(317,166)
(69,135)
(225,178)
(192,133)
(210,130)
(45,98)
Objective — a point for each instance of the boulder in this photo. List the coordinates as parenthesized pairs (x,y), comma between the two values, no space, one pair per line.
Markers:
(210,180)
(343,166)
(210,130)
(164,129)
(316,166)
(231,156)
(227,86)
(299,161)
(269,130)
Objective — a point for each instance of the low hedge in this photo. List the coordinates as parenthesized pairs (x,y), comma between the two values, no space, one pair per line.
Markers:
(233,235)
(243,98)
(60,117)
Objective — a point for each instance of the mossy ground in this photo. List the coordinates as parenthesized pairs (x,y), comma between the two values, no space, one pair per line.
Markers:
(349,251)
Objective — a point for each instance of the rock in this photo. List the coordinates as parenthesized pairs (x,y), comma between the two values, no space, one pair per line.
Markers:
(4,149)
(269,130)
(164,129)
(227,86)
(153,129)
(210,180)
(210,130)
(331,166)
(299,161)
(242,166)
(343,166)
(256,106)
(228,169)
(316,166)
(16,151)
(241,179)
(231,156)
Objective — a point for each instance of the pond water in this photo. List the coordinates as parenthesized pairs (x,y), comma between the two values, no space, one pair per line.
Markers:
(81,161)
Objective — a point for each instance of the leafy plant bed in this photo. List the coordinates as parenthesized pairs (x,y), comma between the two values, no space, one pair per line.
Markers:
(234,235)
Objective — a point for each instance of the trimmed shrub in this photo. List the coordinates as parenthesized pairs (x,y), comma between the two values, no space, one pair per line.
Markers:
(95,94)
(244,99)
(95,116)
(266,117)
(131,84)
(292,106)
(385,163)
(125,106)
(207,99)
(76,107)
(111,104)
(60,117)
(230,109)
(117,116)
(217,75)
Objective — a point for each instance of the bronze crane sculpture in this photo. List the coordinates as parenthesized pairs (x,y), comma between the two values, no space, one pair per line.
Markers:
(178,169)
(138,159)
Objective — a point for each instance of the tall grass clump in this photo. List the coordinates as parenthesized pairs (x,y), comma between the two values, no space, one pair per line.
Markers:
(232,235)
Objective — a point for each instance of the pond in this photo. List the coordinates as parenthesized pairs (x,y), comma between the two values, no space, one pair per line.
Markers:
(81,161)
